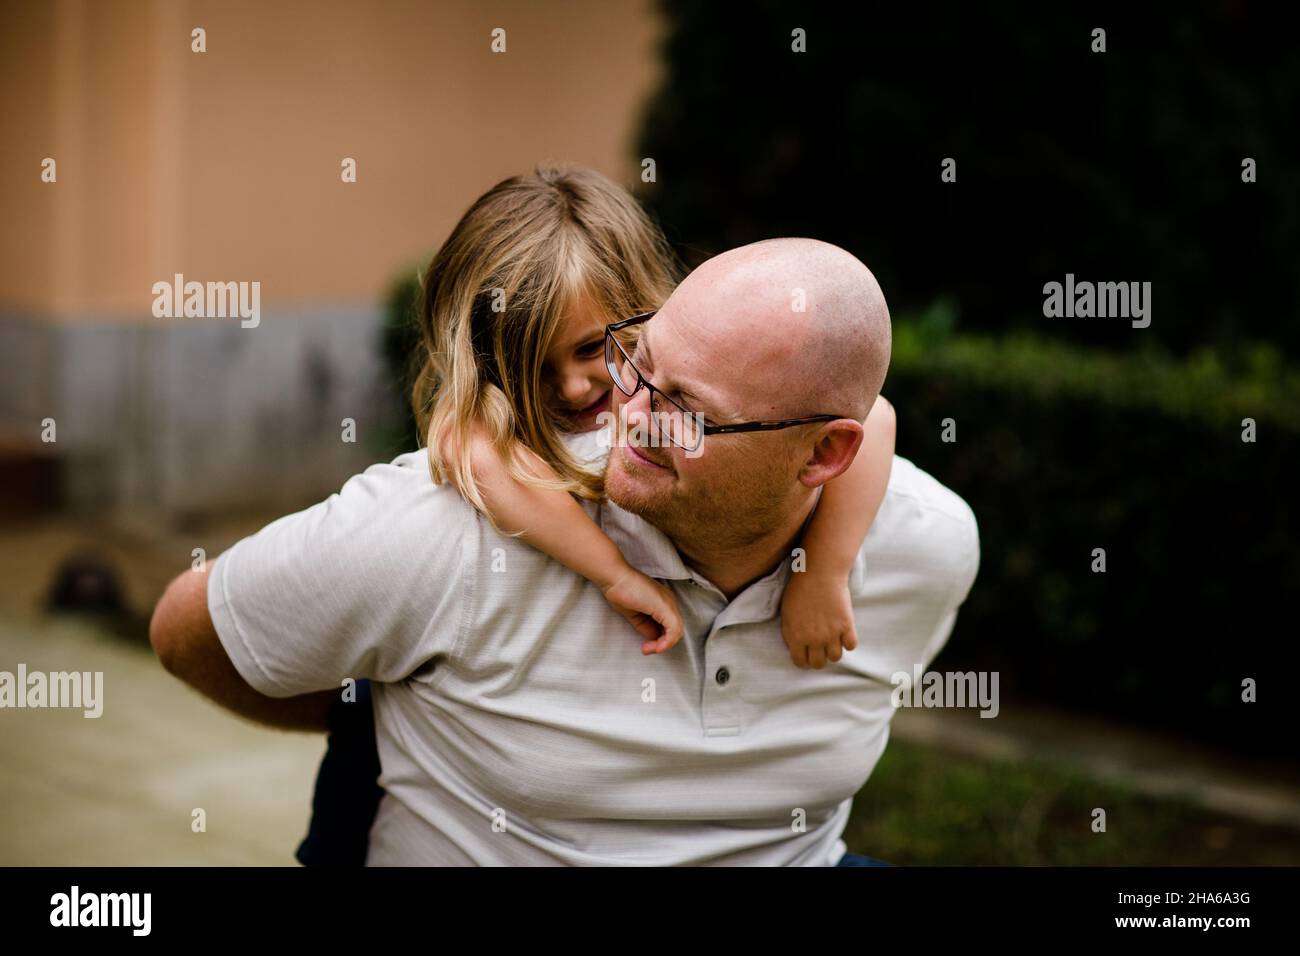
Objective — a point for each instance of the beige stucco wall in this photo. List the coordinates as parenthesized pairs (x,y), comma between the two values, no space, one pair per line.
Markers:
(225,164)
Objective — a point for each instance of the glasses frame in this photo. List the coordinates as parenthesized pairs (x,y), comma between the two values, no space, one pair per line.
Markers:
(612,344)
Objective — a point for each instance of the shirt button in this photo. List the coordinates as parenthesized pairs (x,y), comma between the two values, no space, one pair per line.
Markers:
(722,676)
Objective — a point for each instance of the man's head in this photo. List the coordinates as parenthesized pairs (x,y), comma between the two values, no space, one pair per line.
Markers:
(781,329)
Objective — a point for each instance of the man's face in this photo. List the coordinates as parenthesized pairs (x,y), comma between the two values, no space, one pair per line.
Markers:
(733,483)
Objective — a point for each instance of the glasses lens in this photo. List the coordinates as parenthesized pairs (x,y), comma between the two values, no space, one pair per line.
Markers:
(669,423)
(692,433)
(620,367)
(675,424)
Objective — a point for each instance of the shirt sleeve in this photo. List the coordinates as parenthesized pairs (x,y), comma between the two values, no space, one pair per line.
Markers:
(915,570)
(365,584)
(964,568)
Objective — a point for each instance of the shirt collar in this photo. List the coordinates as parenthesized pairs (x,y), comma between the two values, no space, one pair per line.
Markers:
(652,553)
(644,546)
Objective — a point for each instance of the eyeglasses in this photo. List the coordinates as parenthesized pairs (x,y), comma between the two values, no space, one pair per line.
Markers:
(680,426)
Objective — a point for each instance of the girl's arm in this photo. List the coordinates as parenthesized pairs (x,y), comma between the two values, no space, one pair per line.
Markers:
(816,610)
(554,523)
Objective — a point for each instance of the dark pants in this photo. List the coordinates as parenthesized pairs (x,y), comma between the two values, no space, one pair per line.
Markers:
(853,859)
(347,791)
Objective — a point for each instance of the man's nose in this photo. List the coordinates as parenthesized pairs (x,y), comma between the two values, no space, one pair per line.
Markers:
(636,410)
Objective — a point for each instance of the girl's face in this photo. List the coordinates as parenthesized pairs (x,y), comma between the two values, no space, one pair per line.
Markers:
(577,382)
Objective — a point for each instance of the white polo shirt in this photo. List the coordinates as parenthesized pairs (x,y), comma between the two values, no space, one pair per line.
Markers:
(517,720)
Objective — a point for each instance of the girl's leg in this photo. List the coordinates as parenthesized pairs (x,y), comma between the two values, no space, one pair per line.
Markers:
(347,787)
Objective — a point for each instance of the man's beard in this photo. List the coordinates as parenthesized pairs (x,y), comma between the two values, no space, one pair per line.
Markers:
(652,504)
(727,514)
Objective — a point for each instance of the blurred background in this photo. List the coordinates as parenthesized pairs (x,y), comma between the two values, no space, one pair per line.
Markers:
(1120,690)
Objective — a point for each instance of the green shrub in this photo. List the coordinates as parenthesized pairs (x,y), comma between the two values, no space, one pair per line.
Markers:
(1060,450)
(399,347)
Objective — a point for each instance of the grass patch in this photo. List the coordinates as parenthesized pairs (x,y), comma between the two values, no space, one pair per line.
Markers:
(926,807)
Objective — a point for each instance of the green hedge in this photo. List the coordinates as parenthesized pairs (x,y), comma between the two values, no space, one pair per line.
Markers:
(400,348)
(1205,387)
(1061,449)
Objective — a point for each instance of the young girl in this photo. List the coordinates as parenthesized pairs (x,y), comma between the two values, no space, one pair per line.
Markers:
(513,314)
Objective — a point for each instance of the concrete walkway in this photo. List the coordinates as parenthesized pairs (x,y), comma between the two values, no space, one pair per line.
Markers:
(120,789)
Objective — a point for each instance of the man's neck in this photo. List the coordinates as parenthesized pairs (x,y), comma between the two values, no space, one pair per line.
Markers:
(733,566)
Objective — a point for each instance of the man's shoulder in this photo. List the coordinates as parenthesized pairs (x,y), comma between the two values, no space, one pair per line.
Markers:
(924,521)
(395,505)
(409,476)
(368,582)
(424,516)
(407,480)
(930,495)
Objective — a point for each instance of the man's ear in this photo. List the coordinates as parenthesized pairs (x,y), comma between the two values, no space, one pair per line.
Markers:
(836,445)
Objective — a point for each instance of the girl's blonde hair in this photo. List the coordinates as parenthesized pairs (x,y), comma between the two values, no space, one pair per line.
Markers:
(528,253)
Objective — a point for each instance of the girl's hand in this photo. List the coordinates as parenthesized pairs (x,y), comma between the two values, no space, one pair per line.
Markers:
(817,619)
(648,605)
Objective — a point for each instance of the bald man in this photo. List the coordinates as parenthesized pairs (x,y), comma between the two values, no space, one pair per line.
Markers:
(779,330)
(516,720)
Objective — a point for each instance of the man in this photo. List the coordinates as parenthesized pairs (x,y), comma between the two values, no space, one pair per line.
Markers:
(517,721)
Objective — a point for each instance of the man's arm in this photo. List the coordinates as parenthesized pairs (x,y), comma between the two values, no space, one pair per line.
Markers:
(186,643)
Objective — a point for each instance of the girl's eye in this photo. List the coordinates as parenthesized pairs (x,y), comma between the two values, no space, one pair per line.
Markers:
(591,349)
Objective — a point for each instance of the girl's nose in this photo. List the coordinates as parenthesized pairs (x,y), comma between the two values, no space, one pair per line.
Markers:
(575,387)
